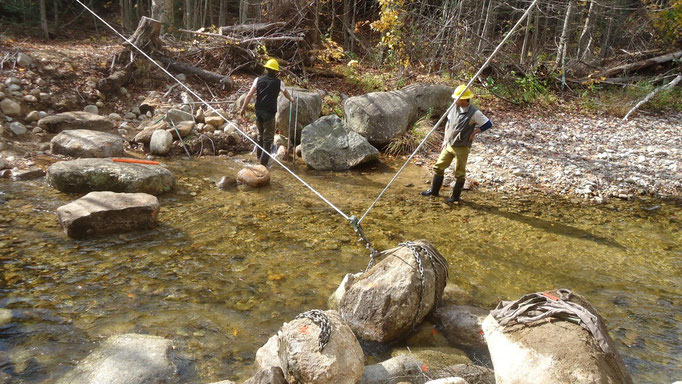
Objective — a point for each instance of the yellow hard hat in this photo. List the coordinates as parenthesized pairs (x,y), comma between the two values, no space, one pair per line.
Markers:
(272,64)
(464,96)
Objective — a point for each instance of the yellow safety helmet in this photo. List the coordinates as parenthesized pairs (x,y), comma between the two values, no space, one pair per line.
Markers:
(272,64)
(464,96)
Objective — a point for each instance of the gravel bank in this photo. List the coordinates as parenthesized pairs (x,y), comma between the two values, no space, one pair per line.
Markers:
(572,154)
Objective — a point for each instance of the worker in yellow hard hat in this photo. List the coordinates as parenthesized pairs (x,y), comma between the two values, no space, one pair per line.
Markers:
(267,89)
(465,121)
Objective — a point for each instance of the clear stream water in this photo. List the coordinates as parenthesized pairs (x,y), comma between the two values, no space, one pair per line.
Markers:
(226,268)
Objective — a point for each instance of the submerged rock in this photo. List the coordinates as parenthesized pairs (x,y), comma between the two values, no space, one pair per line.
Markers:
(86,143)
(108,212)
(272,375)
(75,120)
(297,347)
(86,175)
(394,370)
(461,324)
(254,176)
(126,359)
(327,144)
(389,299)
(27,174)
(552,352)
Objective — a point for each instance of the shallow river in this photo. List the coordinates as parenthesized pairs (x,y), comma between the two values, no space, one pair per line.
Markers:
(226,268)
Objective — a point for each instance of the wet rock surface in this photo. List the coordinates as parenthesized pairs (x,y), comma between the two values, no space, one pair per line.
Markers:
(86,175)
(108,212)
(126,359)
(329,145)
(254,176)
(86,143)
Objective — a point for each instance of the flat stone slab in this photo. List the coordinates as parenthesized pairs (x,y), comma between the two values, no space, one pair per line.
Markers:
(126,359)
(75,120)
(87,175)
(87,143)
(108,212)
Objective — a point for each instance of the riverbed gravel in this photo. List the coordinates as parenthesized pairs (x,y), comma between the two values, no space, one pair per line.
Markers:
(588,156)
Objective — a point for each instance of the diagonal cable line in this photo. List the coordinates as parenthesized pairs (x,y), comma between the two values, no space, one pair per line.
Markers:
(450,108)
(318,194)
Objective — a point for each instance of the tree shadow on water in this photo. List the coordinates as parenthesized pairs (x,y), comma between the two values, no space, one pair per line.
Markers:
(546,225)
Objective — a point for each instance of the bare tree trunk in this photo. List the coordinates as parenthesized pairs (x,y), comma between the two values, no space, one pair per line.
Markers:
(607,38)
(652,94)
(352,24)
(586,27)
(55,21)
(222,16)
(43,19)
(162,10)
(563,42)
(536,33)
(487,26)
(346,22)
(188,14)
(524,48)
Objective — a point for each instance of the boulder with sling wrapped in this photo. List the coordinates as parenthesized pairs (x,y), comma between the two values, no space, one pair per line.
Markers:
(555,337)
(395,294)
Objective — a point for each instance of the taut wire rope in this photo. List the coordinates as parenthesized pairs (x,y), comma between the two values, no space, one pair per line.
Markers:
(318,194)
(523,17)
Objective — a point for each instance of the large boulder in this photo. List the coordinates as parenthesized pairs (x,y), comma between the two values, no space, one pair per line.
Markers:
(380,116)
(556,351)
(329,145)
(309,110)
(108,212)
(254,176)
(161,143)
(87,175)
(86,143)
(461,324)
(126,359)
(75,120)
(145,136)
(436,97)
(303,356)
(394,295)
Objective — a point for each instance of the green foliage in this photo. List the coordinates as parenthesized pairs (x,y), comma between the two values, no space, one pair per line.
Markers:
(406,143)
(668,23)
(619,100)
(527,89)
(331,104)
(367,81)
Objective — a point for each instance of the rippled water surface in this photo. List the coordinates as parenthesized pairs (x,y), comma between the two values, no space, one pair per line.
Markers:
(226,268)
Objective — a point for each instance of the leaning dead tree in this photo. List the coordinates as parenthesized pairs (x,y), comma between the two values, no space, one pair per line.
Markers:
(648,97)
(147,38)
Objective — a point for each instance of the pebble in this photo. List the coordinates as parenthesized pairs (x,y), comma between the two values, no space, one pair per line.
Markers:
(42,114)
(115,117)
(564,153)
(38,131)
(44,96)
(135,110)
(91,109)
(181,77)
(129,116)
(17,128)
(40,81)
(24,60)
(32,116)
(30,98)
(99,104)
(14,87)
(12,80)
(2,95)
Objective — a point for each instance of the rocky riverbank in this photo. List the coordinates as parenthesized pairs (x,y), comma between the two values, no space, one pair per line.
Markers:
(593,157)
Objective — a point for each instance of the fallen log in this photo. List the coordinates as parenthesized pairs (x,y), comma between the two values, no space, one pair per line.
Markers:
(264,39)
(652,94)
(251,28)
(642,64)
(187,69)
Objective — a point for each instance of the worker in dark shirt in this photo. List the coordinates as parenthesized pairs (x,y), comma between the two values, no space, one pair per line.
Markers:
(267,89)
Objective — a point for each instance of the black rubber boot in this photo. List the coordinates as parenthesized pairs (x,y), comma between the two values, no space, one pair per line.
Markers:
(456,191)
(435,186)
